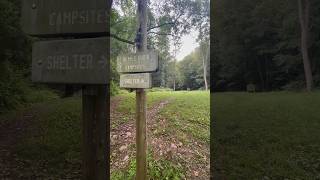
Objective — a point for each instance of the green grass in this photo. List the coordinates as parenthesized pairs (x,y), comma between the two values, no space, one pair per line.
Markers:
(128,105)
(55,136)
(188,111)
(41,95)
(33,96)
(256,136)
(189,114)
(157,169)
(266,135)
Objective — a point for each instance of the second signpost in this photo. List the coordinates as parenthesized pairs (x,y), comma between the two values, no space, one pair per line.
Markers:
(136,69)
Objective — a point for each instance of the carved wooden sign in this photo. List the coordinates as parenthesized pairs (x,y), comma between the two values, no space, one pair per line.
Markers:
(136,66)
(136,80)
(51,17)
(76,61)
(138,62)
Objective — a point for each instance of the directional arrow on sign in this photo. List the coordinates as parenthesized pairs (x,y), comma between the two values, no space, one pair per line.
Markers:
(103,61)
(40,61)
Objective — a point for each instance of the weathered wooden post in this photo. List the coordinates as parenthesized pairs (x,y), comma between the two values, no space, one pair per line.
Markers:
(95,144)
(136,68)
(141,107)
(79,60)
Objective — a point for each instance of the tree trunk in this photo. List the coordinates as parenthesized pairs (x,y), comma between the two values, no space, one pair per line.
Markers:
(204,64)
(304,24)
(204,54)
(266,66)
(174,76)
(260,69)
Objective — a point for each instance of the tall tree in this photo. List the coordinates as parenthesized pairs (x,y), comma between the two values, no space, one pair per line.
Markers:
(202,21)
(204,53)
(304,12)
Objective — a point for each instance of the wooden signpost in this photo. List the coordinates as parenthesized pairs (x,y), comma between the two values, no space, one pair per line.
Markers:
(136,81)
(64,17)
(136,68)
(138,62)
(76,61)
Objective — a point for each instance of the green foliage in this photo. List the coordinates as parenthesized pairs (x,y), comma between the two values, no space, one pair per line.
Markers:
(15,51)
(266,135)
(12,88)
(157,169)
(190,71)
(156,89)
(129,174)
(15,91)
(114,88)
(167,20)
(259,42)
(163,169)
(294,86)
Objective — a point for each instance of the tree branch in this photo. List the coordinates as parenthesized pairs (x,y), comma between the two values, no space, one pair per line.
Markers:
(109,5)
(120,39)
(166,23)
(118,22)
(160,25)
(161,34)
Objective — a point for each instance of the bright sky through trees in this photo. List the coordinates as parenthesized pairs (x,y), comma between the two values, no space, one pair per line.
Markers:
(188,44)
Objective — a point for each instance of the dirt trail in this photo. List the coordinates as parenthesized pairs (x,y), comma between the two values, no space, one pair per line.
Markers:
(123,136)
(195,156)
(10,133)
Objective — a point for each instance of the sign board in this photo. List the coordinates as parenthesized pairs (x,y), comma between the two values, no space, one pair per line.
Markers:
(138,62)
(76,61)
(135,81)
(48,17)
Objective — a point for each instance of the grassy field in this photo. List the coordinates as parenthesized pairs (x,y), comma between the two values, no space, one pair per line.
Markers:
(256,136)
(189,111)
(266,135)
(50,145)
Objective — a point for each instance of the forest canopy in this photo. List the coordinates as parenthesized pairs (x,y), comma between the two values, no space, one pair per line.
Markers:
(168,21)
(259,42)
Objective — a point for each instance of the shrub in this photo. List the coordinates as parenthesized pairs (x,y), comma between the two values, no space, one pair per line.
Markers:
(114,88)
(13,88)
(157,89)
(294,86)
